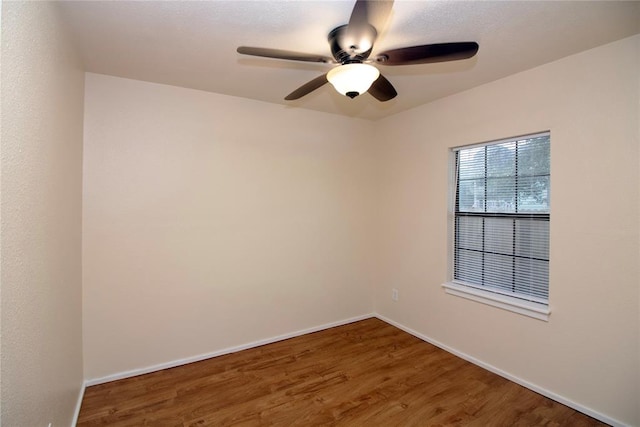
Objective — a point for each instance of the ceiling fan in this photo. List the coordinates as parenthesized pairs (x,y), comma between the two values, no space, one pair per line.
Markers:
(351,46)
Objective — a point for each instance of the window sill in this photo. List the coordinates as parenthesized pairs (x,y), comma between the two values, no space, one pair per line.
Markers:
(526,308)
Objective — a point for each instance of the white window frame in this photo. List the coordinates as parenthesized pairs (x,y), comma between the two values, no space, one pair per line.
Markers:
(532,309)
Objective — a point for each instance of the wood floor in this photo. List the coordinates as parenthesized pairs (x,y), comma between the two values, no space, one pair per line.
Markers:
(366,373)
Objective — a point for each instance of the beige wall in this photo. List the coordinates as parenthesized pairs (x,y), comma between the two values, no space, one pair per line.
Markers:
(588,351)
(40,206)
(211,222)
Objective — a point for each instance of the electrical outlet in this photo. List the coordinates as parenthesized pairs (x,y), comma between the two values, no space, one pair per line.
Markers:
(394,294)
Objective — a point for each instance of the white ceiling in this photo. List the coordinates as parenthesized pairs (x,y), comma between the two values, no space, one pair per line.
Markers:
(193,43)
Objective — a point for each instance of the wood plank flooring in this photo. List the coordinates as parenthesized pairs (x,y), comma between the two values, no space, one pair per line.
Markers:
(367,373)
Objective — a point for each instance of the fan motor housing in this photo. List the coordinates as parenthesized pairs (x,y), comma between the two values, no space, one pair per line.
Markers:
(347,48)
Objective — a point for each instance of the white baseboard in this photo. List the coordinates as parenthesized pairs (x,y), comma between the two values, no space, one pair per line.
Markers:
(180,362)
(76,413)
(491,368)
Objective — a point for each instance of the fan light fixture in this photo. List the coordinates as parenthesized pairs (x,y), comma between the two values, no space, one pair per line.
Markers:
(353,79)
(351,46)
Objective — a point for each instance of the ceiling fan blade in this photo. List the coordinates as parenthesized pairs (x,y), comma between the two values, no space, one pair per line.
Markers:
(307,88)
(428,53)
(365,15)
(283,54)
(370,12)
(382,89)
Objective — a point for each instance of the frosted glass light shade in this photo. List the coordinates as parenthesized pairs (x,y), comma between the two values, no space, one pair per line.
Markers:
(353,79)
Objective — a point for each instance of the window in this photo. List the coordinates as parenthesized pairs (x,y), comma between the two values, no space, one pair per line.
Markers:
(501,224)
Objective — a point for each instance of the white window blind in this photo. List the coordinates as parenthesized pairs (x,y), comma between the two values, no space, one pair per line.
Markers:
(502,217)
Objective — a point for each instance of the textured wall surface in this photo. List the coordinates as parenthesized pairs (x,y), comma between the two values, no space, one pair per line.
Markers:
(211,222)
(40,205)
(588,351)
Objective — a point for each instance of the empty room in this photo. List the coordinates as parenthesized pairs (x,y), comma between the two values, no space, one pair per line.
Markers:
(356,213)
